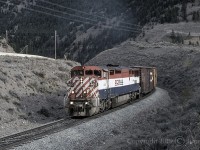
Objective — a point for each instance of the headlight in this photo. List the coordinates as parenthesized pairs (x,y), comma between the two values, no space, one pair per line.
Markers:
(84,92)
(72,92)
(71,103)
(86,103)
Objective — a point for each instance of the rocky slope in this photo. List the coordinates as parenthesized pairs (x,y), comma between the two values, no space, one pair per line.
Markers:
(178,72)
(32,91)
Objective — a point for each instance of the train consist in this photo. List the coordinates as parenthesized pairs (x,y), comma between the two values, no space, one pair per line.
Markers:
(94,89)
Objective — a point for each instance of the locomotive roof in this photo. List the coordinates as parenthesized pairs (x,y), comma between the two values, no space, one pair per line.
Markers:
(142,67)
(106,68)
(114,67)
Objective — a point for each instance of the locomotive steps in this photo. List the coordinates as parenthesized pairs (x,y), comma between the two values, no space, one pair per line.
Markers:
(86,134)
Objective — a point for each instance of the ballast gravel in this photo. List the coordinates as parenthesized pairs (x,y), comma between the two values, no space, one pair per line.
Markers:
(98,133)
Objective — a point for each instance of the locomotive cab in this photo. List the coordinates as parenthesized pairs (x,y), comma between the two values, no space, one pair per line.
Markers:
(83,95)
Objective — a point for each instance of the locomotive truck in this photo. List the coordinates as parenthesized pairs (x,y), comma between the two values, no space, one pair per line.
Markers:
(94,89)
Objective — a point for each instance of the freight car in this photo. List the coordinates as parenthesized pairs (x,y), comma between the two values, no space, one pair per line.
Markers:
(94,89)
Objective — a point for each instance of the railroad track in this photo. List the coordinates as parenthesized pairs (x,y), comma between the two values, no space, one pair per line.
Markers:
(35,133)
(20,138)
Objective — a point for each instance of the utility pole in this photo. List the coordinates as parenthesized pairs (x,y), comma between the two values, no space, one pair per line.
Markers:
(55,42)
(26,49)
(6,36)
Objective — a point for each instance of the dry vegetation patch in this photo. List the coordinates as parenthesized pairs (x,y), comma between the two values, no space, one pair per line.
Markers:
(30,88)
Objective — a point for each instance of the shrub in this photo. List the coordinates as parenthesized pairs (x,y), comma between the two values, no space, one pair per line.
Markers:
(3,72)
(23,117)
(39,74)
(16,103)
(18,76)
(3,79)
(12,93)
(10,111)
(8,61)
(44,111)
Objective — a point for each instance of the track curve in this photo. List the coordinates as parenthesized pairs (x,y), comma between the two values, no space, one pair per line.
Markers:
(52,127)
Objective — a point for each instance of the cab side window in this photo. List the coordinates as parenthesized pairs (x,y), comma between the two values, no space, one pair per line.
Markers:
(118,71)
(112,72)
(97,73)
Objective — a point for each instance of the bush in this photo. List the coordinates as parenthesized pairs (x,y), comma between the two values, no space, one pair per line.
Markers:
(44,111)
(10,111)
(16,103)
(18,76)
(12,93)
(39,74)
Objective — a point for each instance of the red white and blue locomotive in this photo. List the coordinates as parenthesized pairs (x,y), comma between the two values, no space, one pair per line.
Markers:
(94,89)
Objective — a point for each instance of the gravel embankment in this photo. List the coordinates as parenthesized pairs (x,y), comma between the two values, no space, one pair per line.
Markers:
(95,133)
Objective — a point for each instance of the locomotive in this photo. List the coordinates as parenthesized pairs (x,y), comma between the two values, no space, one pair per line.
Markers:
(94,89)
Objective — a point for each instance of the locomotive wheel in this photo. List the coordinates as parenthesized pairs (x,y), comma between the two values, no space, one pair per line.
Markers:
(103,106)
(138,95)
(132,96)
(108,104)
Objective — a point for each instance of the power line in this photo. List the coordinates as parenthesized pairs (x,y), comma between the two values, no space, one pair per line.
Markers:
(84,12)
(63,12)
(79,16)
(79,20)
(38,11)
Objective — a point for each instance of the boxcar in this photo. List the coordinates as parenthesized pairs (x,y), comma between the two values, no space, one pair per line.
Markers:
(148,78)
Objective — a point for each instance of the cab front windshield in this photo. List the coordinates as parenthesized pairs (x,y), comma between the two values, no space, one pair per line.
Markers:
(86,72)
(93,72)
(77,73)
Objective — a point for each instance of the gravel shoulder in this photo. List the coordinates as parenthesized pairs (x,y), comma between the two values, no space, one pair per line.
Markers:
(95,133)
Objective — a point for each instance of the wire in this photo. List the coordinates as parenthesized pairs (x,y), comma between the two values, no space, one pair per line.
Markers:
(78,20)
(63,12)
(80,16)
(110,27)
(84,12)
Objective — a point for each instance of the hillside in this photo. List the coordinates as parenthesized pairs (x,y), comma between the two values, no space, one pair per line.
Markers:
(178,72)
(32,91)
(85,28)
(79,25)
(183,33)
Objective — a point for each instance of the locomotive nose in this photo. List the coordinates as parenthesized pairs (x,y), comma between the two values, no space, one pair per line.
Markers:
(84,87)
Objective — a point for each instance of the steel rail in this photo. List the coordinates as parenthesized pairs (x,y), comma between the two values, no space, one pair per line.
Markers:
(27,136)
